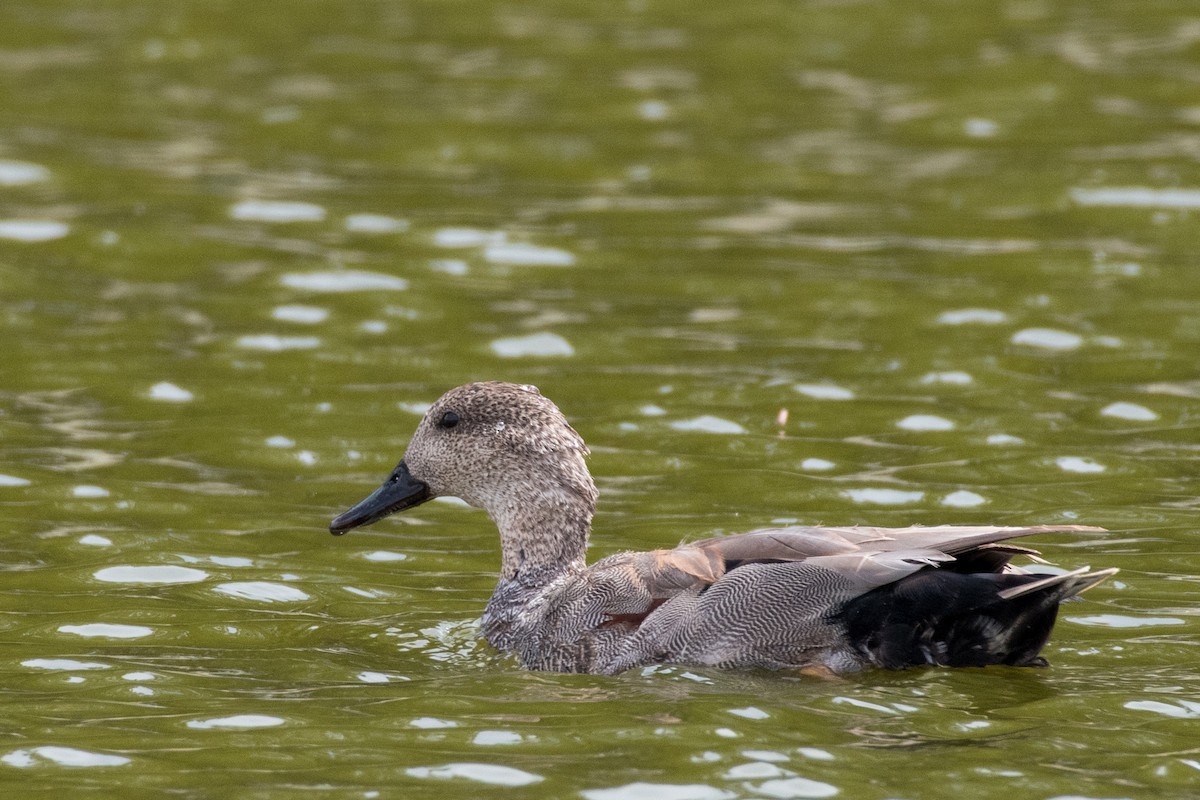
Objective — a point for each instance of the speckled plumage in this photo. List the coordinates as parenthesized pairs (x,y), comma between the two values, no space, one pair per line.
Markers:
(831,599)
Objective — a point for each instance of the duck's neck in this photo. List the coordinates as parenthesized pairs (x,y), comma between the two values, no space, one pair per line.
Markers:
(543,536)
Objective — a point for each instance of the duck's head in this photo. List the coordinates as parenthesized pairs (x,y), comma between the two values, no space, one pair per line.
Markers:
(498,446)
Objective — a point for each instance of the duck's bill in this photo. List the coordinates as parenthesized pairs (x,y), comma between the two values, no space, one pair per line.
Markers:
(400,491)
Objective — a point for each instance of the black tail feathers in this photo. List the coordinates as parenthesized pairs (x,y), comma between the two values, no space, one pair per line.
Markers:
(951,619)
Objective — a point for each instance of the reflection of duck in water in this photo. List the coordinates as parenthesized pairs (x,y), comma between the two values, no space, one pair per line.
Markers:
(826,599)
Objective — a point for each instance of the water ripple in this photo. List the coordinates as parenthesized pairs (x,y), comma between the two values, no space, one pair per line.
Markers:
(150,574)
(63,756)
(279,211)
(1137,197)
(374,223)
(1048,339)
(107,630)
(170,393)
(263,591)
(796,787)
(887,497)
(708,424)
(237,722)
(1129,411)
(521,254)
(824,391)
(21,173)
(659,791)
(272,343)
(492,774)
(543,345)
(344,280)
(32,230)
(63,664)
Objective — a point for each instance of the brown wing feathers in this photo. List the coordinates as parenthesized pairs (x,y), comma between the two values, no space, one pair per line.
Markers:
(665,573)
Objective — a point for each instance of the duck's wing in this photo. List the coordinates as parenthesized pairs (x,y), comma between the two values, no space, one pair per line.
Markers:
(870,556)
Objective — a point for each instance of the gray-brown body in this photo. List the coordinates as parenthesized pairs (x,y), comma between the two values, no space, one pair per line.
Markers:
(831,599)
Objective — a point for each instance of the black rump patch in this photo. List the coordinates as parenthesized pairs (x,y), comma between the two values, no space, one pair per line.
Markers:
(943,617)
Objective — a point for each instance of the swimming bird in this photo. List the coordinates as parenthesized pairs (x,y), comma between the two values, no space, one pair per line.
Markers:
(824,600)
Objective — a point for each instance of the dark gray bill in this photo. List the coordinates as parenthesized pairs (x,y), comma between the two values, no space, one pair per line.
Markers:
(400,491)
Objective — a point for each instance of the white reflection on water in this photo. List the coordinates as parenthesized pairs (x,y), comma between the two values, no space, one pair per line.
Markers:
(1124,621)
(384,555)
(89,491)
(170,393)
(343,280)
(708,424)
(854,701)
(979,128)
(1137,197)
(1047,339)
(373,677)
(1004,439)
(816,465)
(493,738)
(300,314)
(1129,411)
(450,266)
(95,540)
(150,574)
(239,721)
(963,499)
(375,223)
(659,791)
(21,173)
(925,422)
(517,253)
(815,753)
(824,391)
(951,377)
(107,630)
(415,408)
(466,237)
(492,774)
(654,110)
(276,211)
(64,664)
(756,770)
(12,480)
(886,497)
(263,591)
(796,787)
(271,343)
(1078,464)
(231,561)
(432,723)
(542,345)
(972,316)
(749,712)
(63,756)
(1186,709)
(32,230)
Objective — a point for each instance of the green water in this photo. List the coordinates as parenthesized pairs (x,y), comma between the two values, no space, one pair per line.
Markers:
(692,211)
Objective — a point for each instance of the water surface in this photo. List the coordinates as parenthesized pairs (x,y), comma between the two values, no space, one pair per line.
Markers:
(807,262)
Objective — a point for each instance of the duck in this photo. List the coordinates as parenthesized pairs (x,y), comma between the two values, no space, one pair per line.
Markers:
(820,600)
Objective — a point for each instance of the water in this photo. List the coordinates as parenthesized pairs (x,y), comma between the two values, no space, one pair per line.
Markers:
(818,262)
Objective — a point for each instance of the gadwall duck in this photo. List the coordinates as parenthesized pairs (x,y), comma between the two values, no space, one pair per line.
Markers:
(826,600)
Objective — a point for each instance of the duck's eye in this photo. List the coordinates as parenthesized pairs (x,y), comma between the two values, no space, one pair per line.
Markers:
(449,420)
